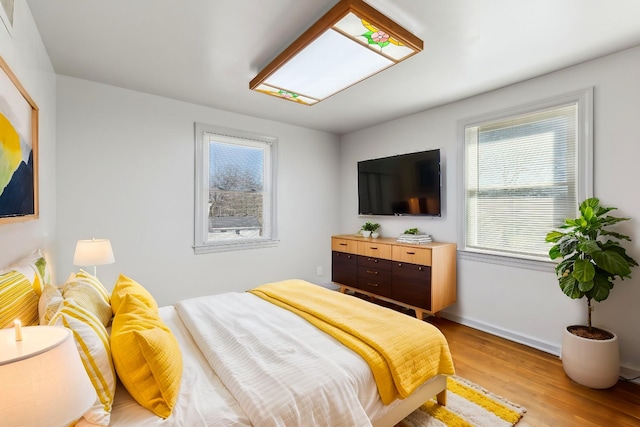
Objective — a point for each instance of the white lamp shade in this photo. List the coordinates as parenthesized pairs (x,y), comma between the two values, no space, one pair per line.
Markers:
(43,380)
(93,252)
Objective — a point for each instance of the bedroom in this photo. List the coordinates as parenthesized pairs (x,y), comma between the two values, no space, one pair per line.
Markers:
(111,166)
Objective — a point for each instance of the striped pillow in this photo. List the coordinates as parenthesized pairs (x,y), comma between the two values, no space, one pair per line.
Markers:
(34,267)
(92,342)
(87,291)
(18,300)
(49,304)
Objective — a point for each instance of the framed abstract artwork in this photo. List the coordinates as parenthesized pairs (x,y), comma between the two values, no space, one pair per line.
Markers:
(18,150)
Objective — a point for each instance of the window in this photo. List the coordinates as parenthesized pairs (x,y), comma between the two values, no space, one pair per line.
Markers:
(235,190)
(525,171)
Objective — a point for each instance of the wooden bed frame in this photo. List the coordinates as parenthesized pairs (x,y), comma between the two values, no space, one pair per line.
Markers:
(436,386)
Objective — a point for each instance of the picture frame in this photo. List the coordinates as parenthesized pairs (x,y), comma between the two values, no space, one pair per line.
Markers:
(19,199)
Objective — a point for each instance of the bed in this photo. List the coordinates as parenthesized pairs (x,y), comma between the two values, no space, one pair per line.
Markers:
(249,358)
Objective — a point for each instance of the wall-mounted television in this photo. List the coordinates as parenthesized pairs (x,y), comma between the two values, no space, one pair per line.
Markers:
(406,184)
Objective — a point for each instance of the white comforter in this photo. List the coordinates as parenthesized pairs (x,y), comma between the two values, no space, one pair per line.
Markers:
(204,400)
(280,369)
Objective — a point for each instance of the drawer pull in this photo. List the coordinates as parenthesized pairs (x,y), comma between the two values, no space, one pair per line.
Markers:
(349,256)
(411,253)
(375,285)
(343,244)
(420,268)
(373,248)
(372,272)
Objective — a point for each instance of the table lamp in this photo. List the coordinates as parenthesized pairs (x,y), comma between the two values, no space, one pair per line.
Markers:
(93,252)
(43,380)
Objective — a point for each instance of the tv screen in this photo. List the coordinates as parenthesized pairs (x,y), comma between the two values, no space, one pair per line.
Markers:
(407,184)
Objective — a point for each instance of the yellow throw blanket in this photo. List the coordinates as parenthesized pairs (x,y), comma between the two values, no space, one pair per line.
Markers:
(403,352)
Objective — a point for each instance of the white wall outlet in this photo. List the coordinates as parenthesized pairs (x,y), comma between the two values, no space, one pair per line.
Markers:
(319,271)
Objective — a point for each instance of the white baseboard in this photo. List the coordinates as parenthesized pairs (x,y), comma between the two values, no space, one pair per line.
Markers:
(630,373)
(547,347)
(506,334)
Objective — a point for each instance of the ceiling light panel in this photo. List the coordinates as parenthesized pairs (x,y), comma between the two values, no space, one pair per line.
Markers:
(348,44)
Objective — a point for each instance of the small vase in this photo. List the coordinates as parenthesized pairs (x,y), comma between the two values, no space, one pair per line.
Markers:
(375,234)
(366,233)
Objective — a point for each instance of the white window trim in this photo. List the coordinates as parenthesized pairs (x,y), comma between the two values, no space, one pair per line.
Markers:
(201,220)
(584,99)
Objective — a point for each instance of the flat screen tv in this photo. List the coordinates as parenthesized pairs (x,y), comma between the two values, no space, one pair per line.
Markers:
(406,184)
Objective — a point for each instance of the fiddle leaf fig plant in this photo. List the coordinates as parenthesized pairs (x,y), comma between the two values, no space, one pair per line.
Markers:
(592,258)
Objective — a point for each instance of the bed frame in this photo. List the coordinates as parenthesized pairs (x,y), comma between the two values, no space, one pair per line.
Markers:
(436,386)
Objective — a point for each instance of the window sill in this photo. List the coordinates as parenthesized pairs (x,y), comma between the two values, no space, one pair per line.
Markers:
(509,261)
(236,246)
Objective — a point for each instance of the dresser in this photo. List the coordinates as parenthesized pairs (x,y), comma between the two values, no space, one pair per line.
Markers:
(419,277)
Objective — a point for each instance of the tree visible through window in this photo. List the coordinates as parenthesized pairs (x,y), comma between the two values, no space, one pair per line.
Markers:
(236,183)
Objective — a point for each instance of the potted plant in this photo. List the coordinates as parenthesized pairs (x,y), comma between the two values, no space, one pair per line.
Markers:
(592,259)
(368,228)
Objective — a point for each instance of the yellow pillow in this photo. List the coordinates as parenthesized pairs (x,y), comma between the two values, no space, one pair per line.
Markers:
(87,291)
(50,301)
(126,286)
(18,300)
(146,356)
(93,346)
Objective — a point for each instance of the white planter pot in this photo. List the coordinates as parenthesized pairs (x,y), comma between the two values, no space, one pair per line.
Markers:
(593,363)
(365,233)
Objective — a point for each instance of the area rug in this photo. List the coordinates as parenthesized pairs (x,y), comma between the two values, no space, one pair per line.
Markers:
(468,405)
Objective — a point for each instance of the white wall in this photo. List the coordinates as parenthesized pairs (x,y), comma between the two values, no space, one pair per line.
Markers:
(27,58)
(525,305)
(126,172)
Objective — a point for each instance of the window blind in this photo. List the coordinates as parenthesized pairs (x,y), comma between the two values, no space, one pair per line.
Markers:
(521,180)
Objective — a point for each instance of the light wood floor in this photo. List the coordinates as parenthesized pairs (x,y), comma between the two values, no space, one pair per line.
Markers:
(535,380)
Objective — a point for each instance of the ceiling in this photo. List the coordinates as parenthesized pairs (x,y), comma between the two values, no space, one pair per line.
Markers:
(206,51)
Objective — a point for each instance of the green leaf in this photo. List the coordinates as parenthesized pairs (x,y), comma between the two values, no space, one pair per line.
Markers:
(583,270)
(554,252)
(592,203)
(565,265)
(615,235)
(601,288)
(570,287)
(572,222)
(589,247)
(585,286)
(554,236)
(588,213)
(568,245)
(612,262)
(610,220)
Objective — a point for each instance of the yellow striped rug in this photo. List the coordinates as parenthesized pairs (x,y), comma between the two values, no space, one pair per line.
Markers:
(468,405)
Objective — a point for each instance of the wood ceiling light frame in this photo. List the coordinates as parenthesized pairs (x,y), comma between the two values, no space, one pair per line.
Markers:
(363,11)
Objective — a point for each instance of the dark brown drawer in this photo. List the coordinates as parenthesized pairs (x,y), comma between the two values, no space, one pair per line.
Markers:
(412,284)
(372,283)
(375,263)
(344,268)
(380,276)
